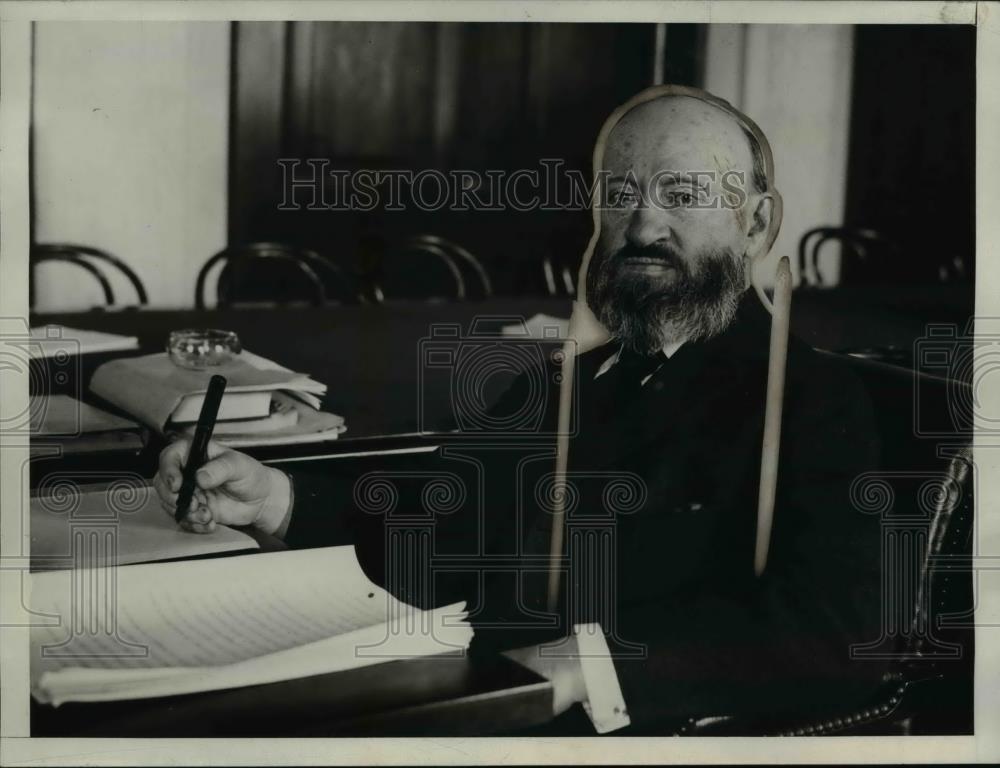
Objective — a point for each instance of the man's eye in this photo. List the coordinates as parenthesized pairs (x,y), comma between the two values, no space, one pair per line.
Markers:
(624,197)
(680,199)
(685,198)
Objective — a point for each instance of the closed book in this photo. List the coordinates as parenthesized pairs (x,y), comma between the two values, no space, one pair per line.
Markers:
(291,422)
(234,405)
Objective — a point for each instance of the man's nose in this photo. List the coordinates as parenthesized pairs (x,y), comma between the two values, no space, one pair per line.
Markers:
(648,225)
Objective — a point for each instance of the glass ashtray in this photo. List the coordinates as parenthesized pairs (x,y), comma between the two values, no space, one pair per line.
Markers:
(202,347)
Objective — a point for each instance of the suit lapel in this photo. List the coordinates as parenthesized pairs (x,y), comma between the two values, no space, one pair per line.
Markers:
(706,382)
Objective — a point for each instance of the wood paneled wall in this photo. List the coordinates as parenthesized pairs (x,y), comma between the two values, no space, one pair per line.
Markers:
(426,95)
(911,173)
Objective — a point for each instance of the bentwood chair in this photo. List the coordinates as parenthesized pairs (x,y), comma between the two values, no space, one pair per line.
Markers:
(91,260)
(925,497)
(274,273)
(477,280)
(428,267)
(866,256)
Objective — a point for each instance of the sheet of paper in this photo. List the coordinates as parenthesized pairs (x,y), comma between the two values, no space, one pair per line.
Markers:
(50,340)
(142,531)
(65,415)
(307,392)
(200,625)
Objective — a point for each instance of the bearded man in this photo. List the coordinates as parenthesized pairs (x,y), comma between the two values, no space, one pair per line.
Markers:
(674,401)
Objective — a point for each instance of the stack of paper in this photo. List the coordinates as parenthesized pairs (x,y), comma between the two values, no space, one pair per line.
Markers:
(79,427)
(50,340)
(209,624)
(264,404)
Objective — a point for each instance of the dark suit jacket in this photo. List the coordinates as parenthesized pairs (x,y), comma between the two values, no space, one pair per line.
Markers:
(717,640)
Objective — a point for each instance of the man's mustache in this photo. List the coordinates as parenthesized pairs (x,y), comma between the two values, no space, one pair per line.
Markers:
(652,252)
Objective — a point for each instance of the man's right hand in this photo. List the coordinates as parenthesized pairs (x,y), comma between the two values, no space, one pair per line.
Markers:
(231,488)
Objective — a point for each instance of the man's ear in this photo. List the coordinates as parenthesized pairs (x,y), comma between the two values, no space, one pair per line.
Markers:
(764,222)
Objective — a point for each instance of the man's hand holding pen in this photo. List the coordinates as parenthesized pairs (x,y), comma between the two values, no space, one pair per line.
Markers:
(230,488)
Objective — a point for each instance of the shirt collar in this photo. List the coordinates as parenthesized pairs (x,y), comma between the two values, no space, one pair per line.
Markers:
(668,350)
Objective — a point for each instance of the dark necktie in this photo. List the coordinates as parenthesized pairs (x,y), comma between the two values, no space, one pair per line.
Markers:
(633,367)
(612,393)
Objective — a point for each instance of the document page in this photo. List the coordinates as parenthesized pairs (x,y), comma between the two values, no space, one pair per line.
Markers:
(134,527)
(160,629)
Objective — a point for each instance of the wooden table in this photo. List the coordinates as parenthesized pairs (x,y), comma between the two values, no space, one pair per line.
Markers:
(417,697)
(369,356)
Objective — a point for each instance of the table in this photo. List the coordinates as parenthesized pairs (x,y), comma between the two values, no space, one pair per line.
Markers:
(885,317)
(370,357)
(416,697)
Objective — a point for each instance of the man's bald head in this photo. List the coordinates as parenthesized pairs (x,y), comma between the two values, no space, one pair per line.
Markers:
(711,129)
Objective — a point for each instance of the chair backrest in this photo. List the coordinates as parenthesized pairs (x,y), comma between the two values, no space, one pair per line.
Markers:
(474,275)
(925,423)
(418,268)
(866,256)
(924,493)
(90,260)
(274,273)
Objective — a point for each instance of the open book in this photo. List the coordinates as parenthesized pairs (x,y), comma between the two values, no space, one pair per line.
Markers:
(204,625)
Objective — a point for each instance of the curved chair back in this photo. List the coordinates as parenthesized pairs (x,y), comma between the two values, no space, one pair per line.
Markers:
(867,256)
(273,273)
(476,278)
(90,260)
(421,267)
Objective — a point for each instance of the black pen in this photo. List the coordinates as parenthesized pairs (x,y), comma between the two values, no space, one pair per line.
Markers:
(199,444)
